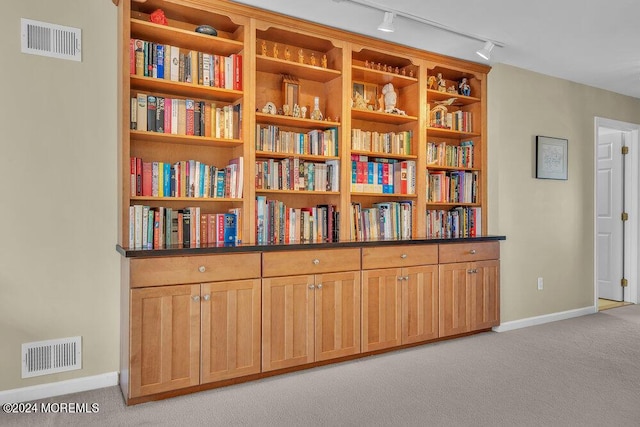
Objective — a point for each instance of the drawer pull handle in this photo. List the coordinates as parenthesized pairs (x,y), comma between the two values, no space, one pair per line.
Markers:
(311,286)
(473,271)
(403,256)
(202,269)
(195,298)
(206,297)
(316,261)
(472,251)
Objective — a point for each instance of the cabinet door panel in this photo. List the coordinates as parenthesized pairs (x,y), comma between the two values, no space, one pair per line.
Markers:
(337,315)
(230,329)
(165,339)
(485,295)
(420,304)
(455,313)
(381,300)
(287,321)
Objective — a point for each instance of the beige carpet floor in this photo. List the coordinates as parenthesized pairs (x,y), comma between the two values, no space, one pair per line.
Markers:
(577,372)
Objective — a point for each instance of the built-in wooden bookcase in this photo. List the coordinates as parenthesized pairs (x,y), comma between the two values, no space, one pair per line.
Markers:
(285,60)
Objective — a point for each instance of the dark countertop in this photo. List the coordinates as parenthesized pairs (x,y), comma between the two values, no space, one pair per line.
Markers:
(211,249)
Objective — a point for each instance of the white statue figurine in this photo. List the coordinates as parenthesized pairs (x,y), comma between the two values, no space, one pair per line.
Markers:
(390,98)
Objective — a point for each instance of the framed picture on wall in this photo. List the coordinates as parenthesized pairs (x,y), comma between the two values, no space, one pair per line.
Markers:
(551,158)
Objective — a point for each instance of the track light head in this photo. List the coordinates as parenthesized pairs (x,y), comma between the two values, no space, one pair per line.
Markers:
(485,52)
(387,23)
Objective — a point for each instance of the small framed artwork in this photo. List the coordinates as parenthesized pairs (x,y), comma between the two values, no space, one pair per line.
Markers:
(551,158)
(290,91)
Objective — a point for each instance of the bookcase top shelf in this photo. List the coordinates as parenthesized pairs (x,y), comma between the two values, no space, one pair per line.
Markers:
(302,71)
(359,73)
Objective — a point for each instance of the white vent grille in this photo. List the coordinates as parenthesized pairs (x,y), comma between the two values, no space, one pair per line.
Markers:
(52,356)
(57,41)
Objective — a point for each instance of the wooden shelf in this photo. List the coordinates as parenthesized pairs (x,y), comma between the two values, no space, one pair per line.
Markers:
(381,117)
(276,119)
(305,192)
(383,195)
(385,155)
(185,39)
(169,138)
(301,71)
(187,199)
(448,133)
(434,95)
(451,168)
(184,90)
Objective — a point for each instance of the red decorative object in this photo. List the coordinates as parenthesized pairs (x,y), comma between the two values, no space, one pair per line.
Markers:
(157,17)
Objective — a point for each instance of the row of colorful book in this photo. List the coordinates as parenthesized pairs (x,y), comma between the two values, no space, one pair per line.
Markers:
(277,223)
(297,174)
(456,120)
(380,142)
(186,178)
(315,142)
(457,222)
(443,154)
(452,186)
(179,116)
(383,176)
(382,221)
(163,227)
(177,64)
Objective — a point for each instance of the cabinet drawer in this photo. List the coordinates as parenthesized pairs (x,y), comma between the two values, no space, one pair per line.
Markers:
(291,263)
(464,252)
(194,269)
(398,256)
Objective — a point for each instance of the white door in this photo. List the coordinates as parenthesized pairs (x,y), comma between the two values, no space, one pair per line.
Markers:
(609,226)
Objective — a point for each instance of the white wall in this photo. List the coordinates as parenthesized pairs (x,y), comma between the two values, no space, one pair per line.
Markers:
(59,271)
(549,224)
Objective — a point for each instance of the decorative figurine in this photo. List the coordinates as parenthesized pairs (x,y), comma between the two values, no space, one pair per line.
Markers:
(313,59)
(397,70)
(359,101)
(316,114)
(366,63)
(431,82)
(269,108)
(324,61)
(442,84)
(286,110)
(411,73)
(404,72)
(390,97)
(381,103)
(379,66)
(452,89)
(275,50)
(157,17)
(287,53)
(303,111)
(301,56)
(264,48)
(464,88)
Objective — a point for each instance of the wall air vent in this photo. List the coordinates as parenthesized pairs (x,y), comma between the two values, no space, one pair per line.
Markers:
(52,356)
(57,41)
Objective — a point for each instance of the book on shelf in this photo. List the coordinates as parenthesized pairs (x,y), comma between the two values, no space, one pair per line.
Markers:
(452,186)
(443,154)
(315,142)
(454,223)
(382,221)
(297,174)
(167,62)
(381,142)
(382,176)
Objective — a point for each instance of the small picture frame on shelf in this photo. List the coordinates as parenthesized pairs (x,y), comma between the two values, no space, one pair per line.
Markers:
(551,158)
(290,91)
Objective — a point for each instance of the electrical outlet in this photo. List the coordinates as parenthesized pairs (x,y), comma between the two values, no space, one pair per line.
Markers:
(540,283)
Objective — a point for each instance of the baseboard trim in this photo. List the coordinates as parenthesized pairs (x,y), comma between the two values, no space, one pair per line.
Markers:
(539,320)
(43,391)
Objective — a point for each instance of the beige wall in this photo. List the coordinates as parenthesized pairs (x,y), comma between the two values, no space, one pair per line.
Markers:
(59,271)
(549,224)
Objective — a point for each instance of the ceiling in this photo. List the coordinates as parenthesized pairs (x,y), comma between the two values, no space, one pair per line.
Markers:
(593,42)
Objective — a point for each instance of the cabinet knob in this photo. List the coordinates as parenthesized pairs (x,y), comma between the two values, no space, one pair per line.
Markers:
(403,256)
(400,278)
(202,269)
(319,286)
(316,261)
(195,298)
(472,251)
(311,287)
(206,297)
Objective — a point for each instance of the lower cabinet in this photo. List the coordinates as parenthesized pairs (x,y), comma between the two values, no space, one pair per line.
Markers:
(469,291)
(309,318)
(399,306)
(185,335)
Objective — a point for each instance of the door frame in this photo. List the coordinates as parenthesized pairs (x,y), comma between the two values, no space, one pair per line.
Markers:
(632,206)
